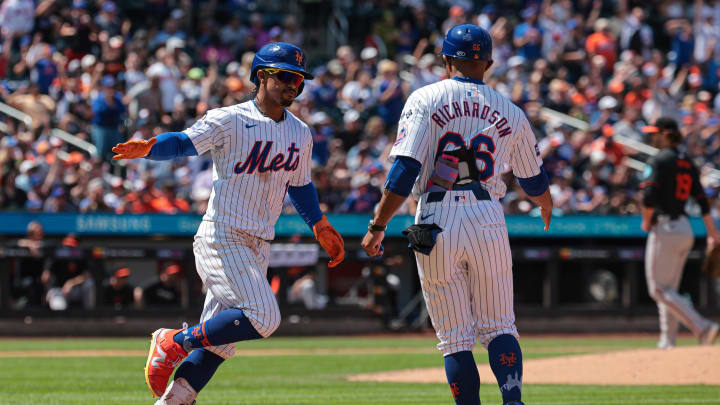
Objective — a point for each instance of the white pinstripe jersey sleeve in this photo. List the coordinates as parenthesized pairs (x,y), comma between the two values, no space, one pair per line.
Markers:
(413,131)
(525,159)
(205,133)
(303,175)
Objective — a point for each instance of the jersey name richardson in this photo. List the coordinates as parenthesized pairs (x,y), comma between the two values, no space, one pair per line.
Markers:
(258,159)
(456,109)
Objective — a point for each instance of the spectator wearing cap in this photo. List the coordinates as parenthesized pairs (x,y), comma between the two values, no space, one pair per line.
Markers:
(118,293)
(363,195)
(359,94)
(166,291)
(389,92)
(322,91)
(368,56)
(107,19)
(487,17)
(68,280)
(108,111)
(527,36)
(423,72)
(602,42)
(166,71)
(58,201)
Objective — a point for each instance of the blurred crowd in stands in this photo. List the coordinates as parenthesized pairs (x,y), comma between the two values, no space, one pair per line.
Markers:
(107,71)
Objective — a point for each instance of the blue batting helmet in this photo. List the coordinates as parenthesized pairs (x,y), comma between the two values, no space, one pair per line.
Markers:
(280,55)
(468,41)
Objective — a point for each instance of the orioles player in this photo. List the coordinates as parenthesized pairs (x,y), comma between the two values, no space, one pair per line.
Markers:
(260,151)
(453,138)
(670,179)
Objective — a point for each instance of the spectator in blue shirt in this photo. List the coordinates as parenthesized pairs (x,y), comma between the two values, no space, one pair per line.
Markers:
(390,93)
(108,110)
(43,73)
(527,36)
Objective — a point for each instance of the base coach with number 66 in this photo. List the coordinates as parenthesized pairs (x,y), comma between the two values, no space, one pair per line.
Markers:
(454,137)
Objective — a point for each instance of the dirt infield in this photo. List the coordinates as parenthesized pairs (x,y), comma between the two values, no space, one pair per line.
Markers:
(679,366)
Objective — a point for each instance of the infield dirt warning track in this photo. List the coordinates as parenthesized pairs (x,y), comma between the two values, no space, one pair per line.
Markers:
(678,366)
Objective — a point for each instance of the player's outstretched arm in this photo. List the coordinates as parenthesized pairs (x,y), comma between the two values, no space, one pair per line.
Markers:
(165,146)
(538,190)
(133,149)
(544,201)
(399,182)
(306,203)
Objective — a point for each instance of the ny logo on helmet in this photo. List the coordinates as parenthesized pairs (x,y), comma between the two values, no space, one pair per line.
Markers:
(298,58)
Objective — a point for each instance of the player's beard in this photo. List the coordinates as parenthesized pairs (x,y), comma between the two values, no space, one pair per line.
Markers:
(286,102)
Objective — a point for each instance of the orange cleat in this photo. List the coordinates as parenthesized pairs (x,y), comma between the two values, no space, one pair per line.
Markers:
(164,356)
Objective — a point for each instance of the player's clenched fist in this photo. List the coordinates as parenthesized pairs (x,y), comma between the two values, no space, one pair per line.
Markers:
(330,240)
(133,149)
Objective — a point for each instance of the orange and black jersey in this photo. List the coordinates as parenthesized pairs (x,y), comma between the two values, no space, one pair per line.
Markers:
(670,179)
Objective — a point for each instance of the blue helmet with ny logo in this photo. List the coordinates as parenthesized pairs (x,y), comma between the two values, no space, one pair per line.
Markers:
(468,41)
(280,55)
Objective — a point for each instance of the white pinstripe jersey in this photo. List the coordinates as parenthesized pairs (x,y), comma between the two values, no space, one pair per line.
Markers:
(446,115)
(255,159)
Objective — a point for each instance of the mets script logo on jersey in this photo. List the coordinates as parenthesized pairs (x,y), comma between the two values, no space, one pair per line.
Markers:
(258,159)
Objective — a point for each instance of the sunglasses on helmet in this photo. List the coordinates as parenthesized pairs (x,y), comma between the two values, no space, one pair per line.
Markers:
(286,76)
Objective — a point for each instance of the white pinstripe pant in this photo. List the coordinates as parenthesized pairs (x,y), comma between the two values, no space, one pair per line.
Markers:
(467,278)
(233,268)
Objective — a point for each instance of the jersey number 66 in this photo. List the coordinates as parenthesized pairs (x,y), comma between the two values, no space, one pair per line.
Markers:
(485,170)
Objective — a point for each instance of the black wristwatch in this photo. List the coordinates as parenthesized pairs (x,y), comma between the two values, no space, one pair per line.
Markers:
(376,228)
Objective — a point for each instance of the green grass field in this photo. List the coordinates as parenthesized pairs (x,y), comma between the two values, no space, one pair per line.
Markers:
(309,371)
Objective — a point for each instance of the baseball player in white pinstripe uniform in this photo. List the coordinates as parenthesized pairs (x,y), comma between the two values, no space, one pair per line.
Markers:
(260,152)
(453,138)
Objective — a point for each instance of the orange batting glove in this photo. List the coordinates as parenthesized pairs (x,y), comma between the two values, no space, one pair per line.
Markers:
(133,149)
(330,240)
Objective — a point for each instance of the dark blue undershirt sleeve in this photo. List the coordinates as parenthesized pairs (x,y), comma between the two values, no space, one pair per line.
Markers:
(305,200)
(402,175)
(535,185)
(170,145)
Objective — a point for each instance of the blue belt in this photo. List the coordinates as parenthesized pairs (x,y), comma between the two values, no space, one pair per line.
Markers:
(479,192)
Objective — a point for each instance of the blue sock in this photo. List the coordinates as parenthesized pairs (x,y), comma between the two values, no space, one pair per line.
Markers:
(228,326)
(198,368)
(506,363)
(463,377)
